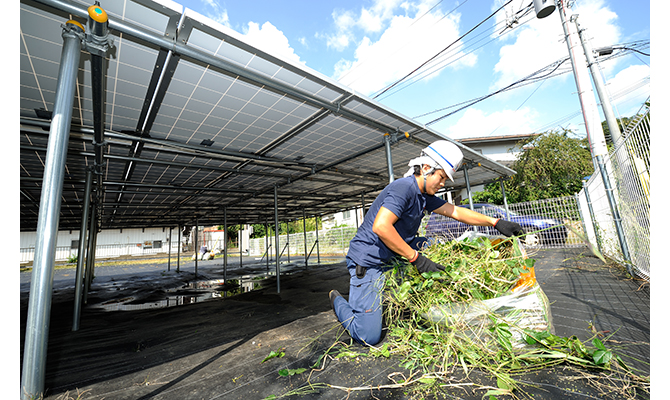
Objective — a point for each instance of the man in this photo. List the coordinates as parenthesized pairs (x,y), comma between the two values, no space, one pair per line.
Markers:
(389,230)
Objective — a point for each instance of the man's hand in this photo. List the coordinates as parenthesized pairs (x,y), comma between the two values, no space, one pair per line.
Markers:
(424,264)
(508,228)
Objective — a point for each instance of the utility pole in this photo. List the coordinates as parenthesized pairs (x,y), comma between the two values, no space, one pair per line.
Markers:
(594,130)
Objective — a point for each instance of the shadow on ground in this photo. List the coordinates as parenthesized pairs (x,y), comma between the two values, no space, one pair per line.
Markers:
(214,349)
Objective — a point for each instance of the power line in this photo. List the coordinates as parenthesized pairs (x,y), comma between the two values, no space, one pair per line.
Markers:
(442,51)
(532,78)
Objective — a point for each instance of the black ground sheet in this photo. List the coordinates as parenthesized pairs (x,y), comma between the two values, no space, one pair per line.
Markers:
(150,333)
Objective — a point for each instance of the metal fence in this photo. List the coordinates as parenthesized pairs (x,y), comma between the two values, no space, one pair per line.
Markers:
(333,241)
(69,253)
(550,223)
(628,168)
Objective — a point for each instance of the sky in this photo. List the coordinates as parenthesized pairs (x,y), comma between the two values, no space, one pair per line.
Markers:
(473,68)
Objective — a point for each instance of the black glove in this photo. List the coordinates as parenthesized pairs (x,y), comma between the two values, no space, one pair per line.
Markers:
(508,228)
(424,264)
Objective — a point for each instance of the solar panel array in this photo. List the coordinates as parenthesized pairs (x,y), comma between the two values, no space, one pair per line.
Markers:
(200,124)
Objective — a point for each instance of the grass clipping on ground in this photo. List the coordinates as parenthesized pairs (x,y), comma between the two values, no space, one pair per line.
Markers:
(484,313)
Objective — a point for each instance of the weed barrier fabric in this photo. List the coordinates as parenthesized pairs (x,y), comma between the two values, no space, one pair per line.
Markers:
(215,349)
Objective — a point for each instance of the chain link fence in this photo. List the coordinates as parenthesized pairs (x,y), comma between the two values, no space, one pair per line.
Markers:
(331,242)
(550,223)
(628,167)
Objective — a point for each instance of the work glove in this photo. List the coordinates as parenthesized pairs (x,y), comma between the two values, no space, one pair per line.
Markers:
(508,228)
(424,264)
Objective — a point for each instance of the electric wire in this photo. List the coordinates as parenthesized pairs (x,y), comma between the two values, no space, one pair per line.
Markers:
(444,59)
(441,51)
(530,79)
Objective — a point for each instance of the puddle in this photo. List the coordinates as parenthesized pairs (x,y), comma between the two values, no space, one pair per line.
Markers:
(195,292)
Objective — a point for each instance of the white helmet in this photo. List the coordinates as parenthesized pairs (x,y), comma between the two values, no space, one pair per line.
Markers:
(441,154)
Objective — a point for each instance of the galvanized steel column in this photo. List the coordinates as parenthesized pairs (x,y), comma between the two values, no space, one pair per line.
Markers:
(41,285)
(389,161)
(225,244)
(195,247)
(169,248)
(304,233)
(277,239)
(178,245)
(80,255)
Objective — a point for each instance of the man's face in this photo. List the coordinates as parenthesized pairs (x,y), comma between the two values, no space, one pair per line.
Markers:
(435,181)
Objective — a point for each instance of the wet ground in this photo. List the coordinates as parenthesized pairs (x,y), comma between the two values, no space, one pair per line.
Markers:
(150,333)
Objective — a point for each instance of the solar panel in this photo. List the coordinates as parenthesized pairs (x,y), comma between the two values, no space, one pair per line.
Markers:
(197,120)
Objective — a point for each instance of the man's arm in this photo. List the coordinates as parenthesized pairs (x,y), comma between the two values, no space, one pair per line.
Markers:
(465,215)
(383,227)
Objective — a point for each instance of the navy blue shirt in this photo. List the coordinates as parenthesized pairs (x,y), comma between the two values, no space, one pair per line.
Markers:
(404,199)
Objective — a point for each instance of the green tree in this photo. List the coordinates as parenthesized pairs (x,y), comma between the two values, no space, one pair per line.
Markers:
(549,165)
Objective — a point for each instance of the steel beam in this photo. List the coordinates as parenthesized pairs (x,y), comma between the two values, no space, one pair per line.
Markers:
(41,285)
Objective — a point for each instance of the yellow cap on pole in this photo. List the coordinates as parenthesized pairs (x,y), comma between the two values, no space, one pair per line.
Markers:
(97,14)
(73,22)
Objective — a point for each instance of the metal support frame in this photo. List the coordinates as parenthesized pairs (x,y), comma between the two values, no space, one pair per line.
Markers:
(288,246)
(318,253)
(90,259)
(178,246)
(267,246)
(389,160)
(239,240)
(304,233)
(363,203)
(277,271)
(225,245)
(169,248)
(41,285)
(195,247)
(79,275)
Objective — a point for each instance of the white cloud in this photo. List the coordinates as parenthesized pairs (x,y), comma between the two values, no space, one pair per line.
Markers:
(540,42)
(477,123)
(629,88)
(406,44)
(218,14)
(271,40)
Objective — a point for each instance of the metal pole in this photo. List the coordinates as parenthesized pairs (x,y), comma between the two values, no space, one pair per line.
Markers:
(239,243)
(594,129)
(502,189)
(318,254)
(267,246)
(363,204)
(90,256)
(82,248)
(389,161)
(195,247)
(225,245)
(178,246)
(304,232)
(593,217)
(41,286)
(288,245)
(169,248)
(605,104)
(277,239)
(467,184)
